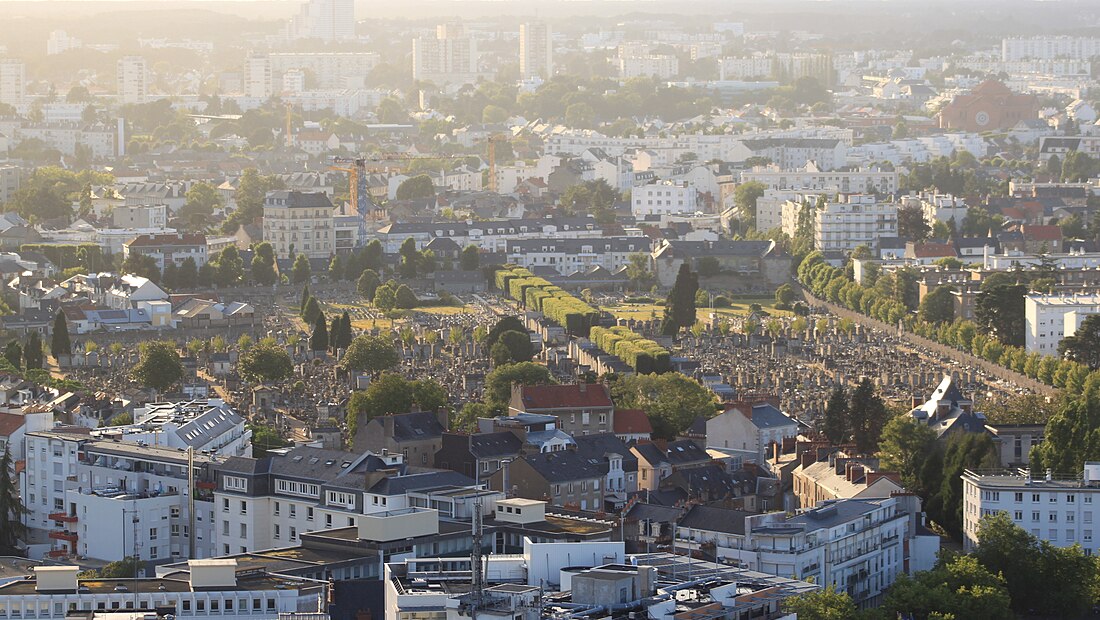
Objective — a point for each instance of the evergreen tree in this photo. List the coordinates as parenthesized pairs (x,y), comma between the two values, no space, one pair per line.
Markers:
(345,330)
(305,299)
(867,413)
(60,343)
(188,274)
(311,311)
(11,508)
(318,340)
(32,352)
(835,423)
(335,326)
(263,265)
(680,305)
(300,272)
(13,352)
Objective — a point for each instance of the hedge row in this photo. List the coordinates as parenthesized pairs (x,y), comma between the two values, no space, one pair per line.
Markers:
(641,354)
(556,304)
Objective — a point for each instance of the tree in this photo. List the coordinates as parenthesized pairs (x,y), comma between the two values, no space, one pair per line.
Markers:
(266,438)
(671,400)
(1083,347)
(938,306)
(784,295)
(318,340)
(300,272)
(823,604)
(265,362)
(903,447)
(911,223)
(60,344)
(999,311)
(126,568)
(368,283)
(835,422)
(342,338)
(198,210)
(263,265)
(405,298)
(311,311)
(13,352)
(32,351)
(499,381)
(370,354)
(385,298)
(499,354)
(595,198)
(680,304)
(12,510)
(187,277)
(958,587)
(708,267)
(228,267)
(142,265)
(159,365)
(391,393)
(121,419)
(373,255)
(745,197)
(505,324)
(638,273)
(306,296)
(410,258)
(470,260)
(415,188)
(250,194)
(1060,581)
(466,419)
(518,345)
(867,413)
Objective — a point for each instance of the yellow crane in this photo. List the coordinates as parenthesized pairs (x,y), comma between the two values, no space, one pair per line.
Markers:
(357,169)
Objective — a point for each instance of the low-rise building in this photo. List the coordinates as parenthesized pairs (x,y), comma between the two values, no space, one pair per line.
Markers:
(168,249)
(1050,318)
(663,198)
(755,429)
(581,408)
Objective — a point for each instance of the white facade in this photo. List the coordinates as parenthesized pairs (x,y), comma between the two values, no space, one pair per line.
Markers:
(570,255)
(1049,318)
(257,77)
(664,198)
(1049,48)
(449,57)
(133,80)
(856,220)
(302,221)
(330,69)
(753,430)
(13,82)
(939,207)
(1057,509)
(536,50)
(327,20)
(809,177)
(60,42)
(652,65)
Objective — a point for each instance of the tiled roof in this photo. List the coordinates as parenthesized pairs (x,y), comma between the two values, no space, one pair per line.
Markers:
(631,422)
(571,396)
(9,423)
(167,239)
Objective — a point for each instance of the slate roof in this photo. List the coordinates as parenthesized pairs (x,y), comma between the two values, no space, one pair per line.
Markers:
(601,444)
(651,453)
(399,485)
(723,247)
(493,445)
(714,519)
(415,426)
(709,481)
(642,511)
(565,466)
(768,416)
(686,451)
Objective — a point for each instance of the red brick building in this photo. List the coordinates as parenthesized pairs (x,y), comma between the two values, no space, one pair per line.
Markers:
(991,105)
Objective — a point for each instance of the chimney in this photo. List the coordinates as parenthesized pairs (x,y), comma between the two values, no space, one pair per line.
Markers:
(443,418)
(856,472)
(808,458)
(387,425)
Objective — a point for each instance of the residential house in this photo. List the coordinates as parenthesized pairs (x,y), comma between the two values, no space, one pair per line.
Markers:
(632,426)
(477,455)
(169,248)
(581,408)
(565,478)
(947,411)
(754,429)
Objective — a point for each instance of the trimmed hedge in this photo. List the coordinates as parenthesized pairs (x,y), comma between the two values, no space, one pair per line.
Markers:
(641,354)
(538,294)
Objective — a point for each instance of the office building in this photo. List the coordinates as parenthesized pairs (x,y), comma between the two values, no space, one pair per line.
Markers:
(1049,318)
(327,20)
(536,51)
(133,80)
(1054,508)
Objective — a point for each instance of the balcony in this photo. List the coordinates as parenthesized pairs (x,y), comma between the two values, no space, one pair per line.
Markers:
(63,517)
(63,535)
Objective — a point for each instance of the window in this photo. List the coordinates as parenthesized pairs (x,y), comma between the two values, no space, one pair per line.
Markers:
(1070,498)
(309,513)
(291,508)
(1034,497)
(152,533)
(1088,499)
(1035,515)
(303,489)
(328,520)
(225,504)
(1019,497)
(293,533)
(338,498)
(1053,517)
(276,534)
(244,508)
(277,507)
(1070,517)
(225,529)
(244,530)
(1087,535)
(234,483)
(1018,515)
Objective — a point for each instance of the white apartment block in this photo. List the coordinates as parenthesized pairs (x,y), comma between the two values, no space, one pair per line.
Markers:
(60,42)
(1049,48)
(770,208)
(489,235)
(65,137)
(570,255)
(299,220)
(1058,67)
(1049,318)
(810,177)
(327,20)
(856,220)
(858,546)
(663,198)
(330,69)
(13,82)
(741,68)
(449,57)
(10,176)
(536,50)
(1057,509)
(133,80)
(651,65)
(258,82)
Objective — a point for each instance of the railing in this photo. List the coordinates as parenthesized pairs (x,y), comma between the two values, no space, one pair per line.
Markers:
(63,517)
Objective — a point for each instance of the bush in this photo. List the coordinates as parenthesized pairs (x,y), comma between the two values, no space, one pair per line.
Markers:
(638,300)
(722,301)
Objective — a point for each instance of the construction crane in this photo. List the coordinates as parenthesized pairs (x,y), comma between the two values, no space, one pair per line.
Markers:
(357,169)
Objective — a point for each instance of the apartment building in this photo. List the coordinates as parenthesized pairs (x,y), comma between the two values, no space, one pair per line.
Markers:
(258,80)
(570,255)
(823,474)
(1049,318)
(1057,509)
(1049,48)
(581,408)
(10,176)
(855,220)
(663,198)
(536,50)
(809,177)
(450,57)
(754,429)
(133,80)
(325,20)
(212,586)
(489,235)
(300,221)
(13,82)
(168,249)
(140,216)
(858,546)
(329,69)
(937,207)
(563,478)
(660,66)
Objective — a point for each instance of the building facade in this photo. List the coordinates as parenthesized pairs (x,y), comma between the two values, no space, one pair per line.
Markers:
(1050,318)
(300,221)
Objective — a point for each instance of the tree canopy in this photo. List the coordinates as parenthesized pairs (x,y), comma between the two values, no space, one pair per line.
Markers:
(370,354)
(265,362)
(159,366)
